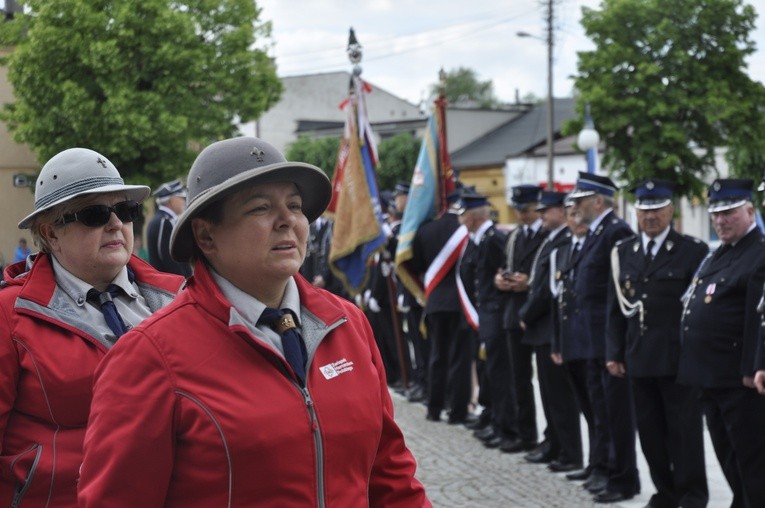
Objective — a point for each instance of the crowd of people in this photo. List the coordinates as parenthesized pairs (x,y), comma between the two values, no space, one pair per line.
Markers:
(237,372)
(242,385)
(642,333)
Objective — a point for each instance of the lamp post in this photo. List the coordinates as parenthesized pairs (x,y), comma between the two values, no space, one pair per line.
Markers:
(550,116)
(588,140)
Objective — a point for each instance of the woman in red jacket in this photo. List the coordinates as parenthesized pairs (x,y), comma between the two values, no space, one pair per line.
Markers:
(52,336)
(208,405)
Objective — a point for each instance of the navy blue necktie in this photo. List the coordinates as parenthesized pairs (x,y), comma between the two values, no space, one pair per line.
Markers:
(294,349)
(104,301)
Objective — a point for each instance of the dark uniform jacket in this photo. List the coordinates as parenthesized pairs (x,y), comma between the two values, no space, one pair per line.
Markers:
(428,241)
(594,276)
(523,251)
(654,349)
(158,244)
(720,326)
(537,312)
(490,257)
(570,338)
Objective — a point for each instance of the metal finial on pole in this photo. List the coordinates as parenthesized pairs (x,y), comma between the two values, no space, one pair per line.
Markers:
(354,52)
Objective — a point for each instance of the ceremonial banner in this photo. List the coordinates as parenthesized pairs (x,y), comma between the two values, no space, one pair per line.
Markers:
(432,181)
(357,233)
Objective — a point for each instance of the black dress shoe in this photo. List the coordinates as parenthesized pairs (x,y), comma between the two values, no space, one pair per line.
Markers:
(537,457)
(518,445)
(579,475)
(484,434)
(433,416)
(468,418)
(608,496)
(494,442)
(563,466)
(596,484)
(481,422)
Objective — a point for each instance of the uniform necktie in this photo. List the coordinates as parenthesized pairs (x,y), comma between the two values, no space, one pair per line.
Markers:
(294,349)
(104,300)
(649,251)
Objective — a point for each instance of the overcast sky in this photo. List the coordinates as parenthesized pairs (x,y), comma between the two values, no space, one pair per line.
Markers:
(405,43)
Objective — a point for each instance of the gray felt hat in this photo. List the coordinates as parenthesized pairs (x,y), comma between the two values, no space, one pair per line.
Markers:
(75,172)
(226,166)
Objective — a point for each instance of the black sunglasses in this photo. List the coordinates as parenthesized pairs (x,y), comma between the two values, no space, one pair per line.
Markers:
(95,216)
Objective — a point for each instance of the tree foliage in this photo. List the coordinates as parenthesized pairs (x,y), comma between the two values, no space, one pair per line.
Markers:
(397,156)
(462,86)
(141,82)
(667,85)
(321,152)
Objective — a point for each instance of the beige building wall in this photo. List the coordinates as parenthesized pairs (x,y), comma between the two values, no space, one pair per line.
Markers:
(16,202)
(491,183)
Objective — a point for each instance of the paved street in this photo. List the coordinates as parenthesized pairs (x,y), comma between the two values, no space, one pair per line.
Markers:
(458,472)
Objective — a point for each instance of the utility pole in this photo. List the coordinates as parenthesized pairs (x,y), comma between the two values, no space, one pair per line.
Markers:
(550,115)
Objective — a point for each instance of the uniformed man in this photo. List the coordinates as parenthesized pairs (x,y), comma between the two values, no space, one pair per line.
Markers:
(651,271)
(447,328)
(611,397)
(720,330)
(512,279)
(558,400)
(490,257)
(570,347)
(171,201)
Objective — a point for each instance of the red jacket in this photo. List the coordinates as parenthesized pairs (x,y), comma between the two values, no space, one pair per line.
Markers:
(192,410)
(46,369)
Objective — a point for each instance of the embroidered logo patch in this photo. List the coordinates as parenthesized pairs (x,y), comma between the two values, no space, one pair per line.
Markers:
(334,369)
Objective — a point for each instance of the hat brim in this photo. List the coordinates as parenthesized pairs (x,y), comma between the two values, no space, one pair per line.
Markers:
(133,192)
(653,204)
(581,193)
(312,183)
(721,206)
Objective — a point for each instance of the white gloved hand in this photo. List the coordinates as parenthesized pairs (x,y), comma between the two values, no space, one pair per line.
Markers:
(385,268)
(373,305)
(400,304)
(367,296)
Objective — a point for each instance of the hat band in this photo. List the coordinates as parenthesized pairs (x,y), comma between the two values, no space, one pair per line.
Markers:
(726,204)
(652,204)
(75,188)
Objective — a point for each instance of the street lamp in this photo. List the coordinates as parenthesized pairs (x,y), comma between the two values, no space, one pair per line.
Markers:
(550,117)
(588,140)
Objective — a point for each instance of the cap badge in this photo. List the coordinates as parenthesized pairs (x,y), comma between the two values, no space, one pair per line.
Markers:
(258,154)
(649,185)
(716,186)
(102,162)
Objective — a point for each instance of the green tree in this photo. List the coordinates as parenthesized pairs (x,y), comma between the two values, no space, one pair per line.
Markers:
(321,152)
(463,86)
(667,85)
(142,82)
(397,156)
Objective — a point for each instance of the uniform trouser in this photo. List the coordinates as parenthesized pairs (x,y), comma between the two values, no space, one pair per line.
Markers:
(598,452)
(382,324)
(620,413)
(671,433)
(499,375)
(597,396)
(420,346)
(560,407)
(521,356)
(450,362)
(735,419)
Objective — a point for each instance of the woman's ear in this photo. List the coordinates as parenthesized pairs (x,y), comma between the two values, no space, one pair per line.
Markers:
(49,236)
(202,231)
